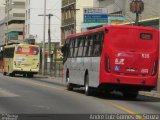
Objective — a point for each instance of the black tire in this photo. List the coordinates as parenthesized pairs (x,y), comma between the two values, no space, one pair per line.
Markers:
(130,95)
(4,73)
(69,85)
(11,74)
(88,90)
(24,74)
(29,75)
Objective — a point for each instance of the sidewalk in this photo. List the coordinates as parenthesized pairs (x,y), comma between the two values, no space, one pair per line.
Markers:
(51,79)
(151,94)
(60,80)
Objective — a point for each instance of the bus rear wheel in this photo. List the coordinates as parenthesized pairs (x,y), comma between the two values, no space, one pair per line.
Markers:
(12,74)
(130,95)
(88,90)
(4,73)
(30,75)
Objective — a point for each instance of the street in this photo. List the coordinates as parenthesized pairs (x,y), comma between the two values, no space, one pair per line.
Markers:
(41,95)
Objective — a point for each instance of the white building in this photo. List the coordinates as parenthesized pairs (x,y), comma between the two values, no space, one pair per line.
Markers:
(2,25)
(12,23)
(72,15)
(34,23)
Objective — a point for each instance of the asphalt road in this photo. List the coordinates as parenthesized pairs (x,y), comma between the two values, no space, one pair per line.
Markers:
(20,95)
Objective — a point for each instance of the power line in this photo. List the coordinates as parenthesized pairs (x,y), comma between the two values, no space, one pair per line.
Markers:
(46,24)
(152,10)
(130,18)
(56,3)
(46,9)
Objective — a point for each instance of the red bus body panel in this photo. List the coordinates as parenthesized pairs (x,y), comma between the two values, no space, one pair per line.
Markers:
(132,59)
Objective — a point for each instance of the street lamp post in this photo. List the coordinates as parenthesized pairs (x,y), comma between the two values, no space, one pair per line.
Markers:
(137,6)
(44,31)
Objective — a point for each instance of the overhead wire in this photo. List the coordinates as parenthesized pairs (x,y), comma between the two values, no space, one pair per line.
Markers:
(129,17)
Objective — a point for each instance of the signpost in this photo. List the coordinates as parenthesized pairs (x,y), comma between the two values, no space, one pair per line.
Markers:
(95,15)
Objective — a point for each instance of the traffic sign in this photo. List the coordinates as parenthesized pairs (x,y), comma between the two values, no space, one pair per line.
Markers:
(95,15)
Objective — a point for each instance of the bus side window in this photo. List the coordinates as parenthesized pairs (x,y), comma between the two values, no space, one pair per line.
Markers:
(76,47)
(87,44)
(96,46)
(1,55)
(91,46)
(9,53)
(72,41)
(101,37)
(64,50)
(84,45)
(80,47)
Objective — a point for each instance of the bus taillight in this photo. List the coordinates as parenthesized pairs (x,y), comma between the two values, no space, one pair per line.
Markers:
(155,65)
(107,64)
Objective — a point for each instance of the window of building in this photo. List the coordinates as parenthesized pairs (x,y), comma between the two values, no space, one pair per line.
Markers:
(28,13)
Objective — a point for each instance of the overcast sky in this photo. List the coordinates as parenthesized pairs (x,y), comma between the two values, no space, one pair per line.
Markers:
(1,2)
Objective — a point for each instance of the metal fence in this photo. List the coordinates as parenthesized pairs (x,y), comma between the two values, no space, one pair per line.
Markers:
(54,69)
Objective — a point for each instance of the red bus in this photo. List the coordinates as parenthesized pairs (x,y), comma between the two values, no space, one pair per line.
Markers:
(112,58)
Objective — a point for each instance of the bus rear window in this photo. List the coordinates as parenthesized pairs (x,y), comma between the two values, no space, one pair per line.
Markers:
(31,50)
(146,36)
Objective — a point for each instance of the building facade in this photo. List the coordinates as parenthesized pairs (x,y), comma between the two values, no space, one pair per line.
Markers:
(118,12)
(149,17)
(72,15)
(14,17)
(34,24)
(2,25)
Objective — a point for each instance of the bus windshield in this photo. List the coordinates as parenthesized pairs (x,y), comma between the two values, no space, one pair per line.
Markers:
(30,50)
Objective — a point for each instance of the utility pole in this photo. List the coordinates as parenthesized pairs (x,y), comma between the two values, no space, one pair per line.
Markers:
(49,39)
(137,6)
(44,32)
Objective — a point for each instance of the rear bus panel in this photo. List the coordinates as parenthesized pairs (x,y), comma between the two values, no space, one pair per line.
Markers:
(132,65)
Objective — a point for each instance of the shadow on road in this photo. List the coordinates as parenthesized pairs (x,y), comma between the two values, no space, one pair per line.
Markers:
(119,96)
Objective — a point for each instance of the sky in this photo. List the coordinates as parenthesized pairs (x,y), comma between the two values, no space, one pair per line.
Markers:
(2,1)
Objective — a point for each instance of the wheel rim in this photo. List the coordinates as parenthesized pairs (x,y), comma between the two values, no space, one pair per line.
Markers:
(86,86)
(67,80)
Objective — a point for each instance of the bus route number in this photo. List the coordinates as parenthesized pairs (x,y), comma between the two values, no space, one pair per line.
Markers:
(145,55)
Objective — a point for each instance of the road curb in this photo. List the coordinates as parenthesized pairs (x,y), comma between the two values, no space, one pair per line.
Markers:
(150,94)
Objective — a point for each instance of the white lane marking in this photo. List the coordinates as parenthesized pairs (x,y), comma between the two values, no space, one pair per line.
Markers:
(6,93)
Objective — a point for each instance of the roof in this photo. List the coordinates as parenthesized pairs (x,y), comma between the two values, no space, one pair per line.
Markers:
(107,28)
